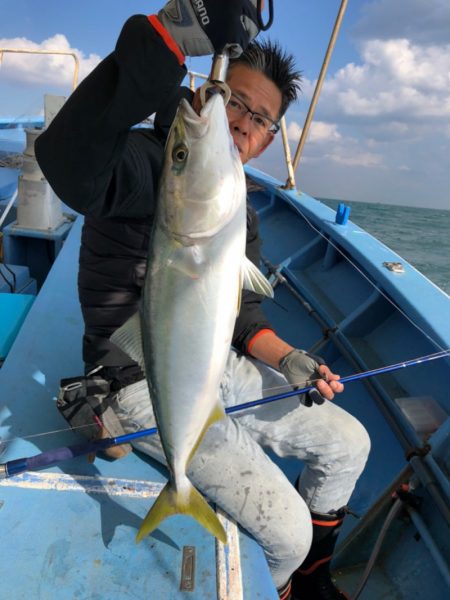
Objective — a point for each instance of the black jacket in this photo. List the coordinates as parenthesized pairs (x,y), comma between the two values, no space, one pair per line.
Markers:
(102,168)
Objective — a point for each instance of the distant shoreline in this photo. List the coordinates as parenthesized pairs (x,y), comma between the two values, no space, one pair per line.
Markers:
(336,201)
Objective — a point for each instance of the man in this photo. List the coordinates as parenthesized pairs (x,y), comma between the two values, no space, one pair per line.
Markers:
(101,169)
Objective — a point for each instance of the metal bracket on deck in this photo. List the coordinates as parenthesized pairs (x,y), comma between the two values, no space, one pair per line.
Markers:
(187,583)
(395,267)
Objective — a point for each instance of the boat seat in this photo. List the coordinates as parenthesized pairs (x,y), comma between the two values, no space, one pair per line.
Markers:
(13,310)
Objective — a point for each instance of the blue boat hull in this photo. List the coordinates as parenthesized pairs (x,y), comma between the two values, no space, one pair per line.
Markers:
(71,528)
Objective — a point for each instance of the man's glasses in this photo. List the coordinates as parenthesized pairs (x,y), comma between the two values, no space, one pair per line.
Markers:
(235,105)
(260,122)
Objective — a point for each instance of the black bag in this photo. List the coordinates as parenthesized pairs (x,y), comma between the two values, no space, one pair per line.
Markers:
(85,402)
(81,401)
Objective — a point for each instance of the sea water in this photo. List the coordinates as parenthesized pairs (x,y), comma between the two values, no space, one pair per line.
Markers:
(419,235)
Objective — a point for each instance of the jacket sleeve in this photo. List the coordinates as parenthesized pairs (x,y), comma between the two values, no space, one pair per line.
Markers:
(251,318)
(87,153)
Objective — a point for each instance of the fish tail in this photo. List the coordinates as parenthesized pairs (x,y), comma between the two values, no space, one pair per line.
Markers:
(187,502)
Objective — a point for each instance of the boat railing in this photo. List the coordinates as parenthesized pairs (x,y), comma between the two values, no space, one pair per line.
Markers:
(290,183)
(50,52)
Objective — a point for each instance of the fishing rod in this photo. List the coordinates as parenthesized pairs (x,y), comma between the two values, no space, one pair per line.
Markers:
(54,456)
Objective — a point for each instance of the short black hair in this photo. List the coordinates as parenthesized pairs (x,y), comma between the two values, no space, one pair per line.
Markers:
(276,64)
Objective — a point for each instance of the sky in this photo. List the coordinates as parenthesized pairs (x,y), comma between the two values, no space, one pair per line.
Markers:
(381,130)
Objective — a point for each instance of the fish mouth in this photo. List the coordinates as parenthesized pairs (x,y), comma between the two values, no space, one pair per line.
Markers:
(198,124)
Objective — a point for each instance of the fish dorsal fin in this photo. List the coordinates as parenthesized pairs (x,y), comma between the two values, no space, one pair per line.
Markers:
(129,339)
(254,280)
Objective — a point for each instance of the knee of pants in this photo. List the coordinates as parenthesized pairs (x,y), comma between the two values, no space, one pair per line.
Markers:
(344,448)
(294,538)
(286,554)
(354,447)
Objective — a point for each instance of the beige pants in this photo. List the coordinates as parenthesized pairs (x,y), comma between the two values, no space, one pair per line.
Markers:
(232,469)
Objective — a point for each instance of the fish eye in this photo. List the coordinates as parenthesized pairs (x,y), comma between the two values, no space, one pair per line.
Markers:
(180,153)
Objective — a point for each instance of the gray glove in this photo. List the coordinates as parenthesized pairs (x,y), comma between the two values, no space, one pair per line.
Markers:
(202,27)
(301,369)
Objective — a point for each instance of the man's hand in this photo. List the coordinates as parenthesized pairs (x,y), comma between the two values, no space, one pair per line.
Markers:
(302,369)
(202,27)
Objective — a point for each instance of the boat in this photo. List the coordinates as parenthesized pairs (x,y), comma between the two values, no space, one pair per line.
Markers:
(68,527)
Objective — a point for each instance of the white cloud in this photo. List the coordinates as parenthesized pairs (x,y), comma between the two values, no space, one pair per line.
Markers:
(390,107)
(382,120)
(319,132)
(396,79)
(41,70)
(360,159)
(325,142)
(421,21)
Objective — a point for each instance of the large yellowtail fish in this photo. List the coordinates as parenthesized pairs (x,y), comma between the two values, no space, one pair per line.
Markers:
(195,273)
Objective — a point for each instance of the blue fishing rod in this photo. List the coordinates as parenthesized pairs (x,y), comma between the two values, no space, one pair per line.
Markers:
(53,457)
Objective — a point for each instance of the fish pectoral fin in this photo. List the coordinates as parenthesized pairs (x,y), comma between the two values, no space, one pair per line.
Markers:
(129,339)
(189,260)
(188,501)
(254,280)
(239,302)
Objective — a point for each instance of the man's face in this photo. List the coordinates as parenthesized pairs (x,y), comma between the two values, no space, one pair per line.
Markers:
(261,96)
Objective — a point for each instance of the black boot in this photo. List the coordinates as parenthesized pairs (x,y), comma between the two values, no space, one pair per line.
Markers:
(312,580)
(284,592)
